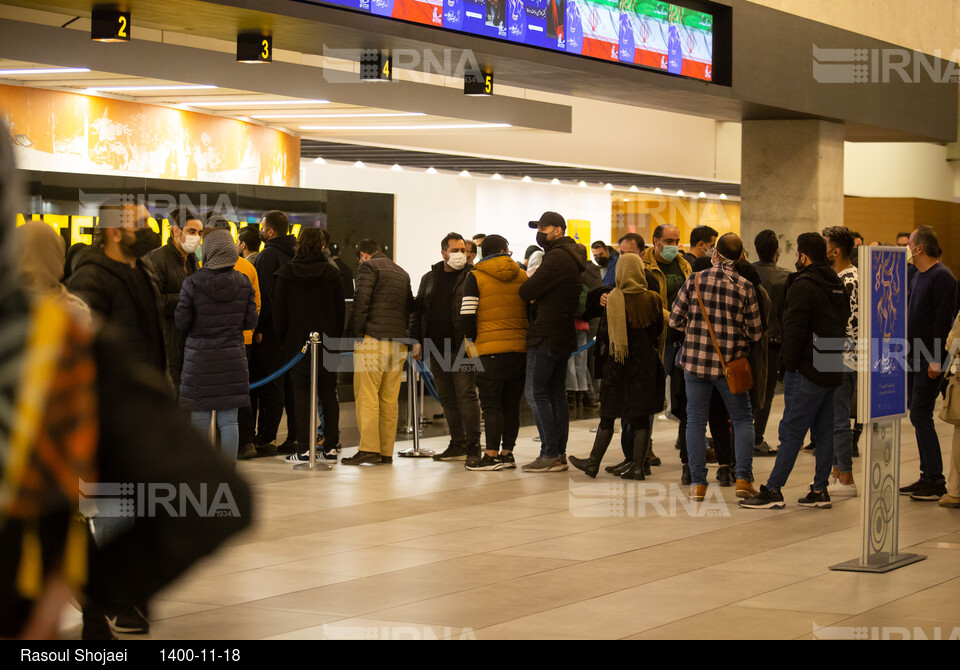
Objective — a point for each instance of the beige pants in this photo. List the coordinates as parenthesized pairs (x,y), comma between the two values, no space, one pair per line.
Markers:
(377,374)
(953,466)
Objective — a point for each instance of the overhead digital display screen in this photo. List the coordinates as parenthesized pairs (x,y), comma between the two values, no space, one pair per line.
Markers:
(644,33)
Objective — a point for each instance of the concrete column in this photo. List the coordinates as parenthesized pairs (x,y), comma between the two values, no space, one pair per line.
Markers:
(791,181)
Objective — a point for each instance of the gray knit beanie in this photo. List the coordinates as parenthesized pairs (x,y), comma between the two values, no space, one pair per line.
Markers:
(219,250)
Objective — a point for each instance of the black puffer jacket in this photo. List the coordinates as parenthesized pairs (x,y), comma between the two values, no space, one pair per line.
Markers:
(555,289)
(635,387)
(171,268)
(817,307)
(382,302)
(215,307)
(307,298)
(275,254)
(109,288)
(420,316)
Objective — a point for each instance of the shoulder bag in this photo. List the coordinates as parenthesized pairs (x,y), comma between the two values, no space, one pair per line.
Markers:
(738,373)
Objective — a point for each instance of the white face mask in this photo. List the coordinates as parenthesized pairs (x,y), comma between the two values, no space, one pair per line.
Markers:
(457,260)
(190,243)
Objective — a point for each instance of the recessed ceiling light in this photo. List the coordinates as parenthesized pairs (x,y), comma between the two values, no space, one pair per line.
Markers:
(527,179)
(319,161)
(358,164)
(702,195)
(555,181)
(496,176)
(723,196)
(432,170)
(165,87)
(609,187)
(657,190)
(582,184)
(680,192)
(396,168)
(62,70)
(253,103)
(336,116)
(634,189)
(456,126)
(464,173)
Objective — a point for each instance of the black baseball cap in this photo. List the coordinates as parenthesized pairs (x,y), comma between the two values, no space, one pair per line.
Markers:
(549,219)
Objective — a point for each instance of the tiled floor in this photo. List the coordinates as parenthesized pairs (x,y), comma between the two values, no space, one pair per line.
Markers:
(428,550)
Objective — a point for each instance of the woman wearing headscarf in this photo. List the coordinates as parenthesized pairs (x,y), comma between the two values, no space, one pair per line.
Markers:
(216,305)
(41,257)
(633,377)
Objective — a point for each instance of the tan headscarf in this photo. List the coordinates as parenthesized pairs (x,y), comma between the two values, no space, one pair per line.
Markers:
(630,302)
(40,253)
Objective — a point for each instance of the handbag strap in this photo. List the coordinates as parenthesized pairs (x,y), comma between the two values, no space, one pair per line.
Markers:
(713,337)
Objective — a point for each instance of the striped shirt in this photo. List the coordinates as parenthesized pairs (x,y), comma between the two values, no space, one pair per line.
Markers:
(732,307)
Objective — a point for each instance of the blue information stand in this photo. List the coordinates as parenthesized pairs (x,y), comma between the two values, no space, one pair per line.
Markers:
(881,404)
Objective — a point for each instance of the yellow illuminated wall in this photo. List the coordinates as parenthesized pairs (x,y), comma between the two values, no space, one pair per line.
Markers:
(88,133)
(633,213)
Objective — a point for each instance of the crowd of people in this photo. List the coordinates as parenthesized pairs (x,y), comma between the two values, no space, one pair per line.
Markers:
(703,334)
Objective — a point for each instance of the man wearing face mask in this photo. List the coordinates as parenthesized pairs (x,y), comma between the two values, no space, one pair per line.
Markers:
(435,328)
(113,279)
(816,313)
(171,264)
(554,294)
(703,240)
(606,257)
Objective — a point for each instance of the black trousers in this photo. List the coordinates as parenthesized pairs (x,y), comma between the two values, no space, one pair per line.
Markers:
(501,386)
(276,396)
(773,369)
(327,394)
(246,416)
(458,397)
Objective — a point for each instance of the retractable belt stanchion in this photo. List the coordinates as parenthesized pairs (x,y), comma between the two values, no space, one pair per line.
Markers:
(415,451)
(312,465)
(213,428)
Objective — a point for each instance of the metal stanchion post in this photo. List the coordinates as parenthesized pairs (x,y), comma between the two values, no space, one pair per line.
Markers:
(312,464)
(415,451)
(213,428)
(410,383)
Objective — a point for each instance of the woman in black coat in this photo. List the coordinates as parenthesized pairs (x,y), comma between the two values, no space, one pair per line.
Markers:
(633,377)
(216,306)
(308,298)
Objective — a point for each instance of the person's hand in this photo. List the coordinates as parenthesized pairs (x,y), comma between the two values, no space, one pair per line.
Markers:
(603,300)
(258,338)
(415,351)
(933,370)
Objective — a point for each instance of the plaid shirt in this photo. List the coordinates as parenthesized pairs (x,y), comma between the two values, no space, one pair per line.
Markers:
(734,314)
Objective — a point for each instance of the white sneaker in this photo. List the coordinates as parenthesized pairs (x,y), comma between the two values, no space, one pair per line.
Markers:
(838,490)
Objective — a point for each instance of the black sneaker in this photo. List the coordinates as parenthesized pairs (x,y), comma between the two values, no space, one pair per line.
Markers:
(912,488)
(266,449)
(685,478)
(508,461)
(487,463)
(472,461)
(725,475)
(246,451)
(764,449)
(766,499)
(289,447)
(362,458)
(816,499)
(129,620)
(454,452)
(930,490)
(95,627)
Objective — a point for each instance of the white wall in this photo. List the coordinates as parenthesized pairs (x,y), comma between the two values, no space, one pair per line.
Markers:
(430,206)
(898,170)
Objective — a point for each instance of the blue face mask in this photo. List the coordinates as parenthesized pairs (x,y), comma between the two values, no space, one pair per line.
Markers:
(199,254)
(669,253)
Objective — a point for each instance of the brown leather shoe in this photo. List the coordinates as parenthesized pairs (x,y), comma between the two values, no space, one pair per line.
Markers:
(745,489)
(950,501)
(698,492)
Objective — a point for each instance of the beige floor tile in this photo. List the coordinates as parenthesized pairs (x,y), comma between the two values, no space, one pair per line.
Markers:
(359,596)
(741,623)
(479,569)
(233,623)
(370,629)
(479,540)
(242,587)
(870,626)
(377,560)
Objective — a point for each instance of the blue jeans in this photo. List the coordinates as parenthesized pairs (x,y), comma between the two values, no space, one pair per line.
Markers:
(922,395)
(699,390)
(842,434)
(546,394)
(229,431)
(806,406)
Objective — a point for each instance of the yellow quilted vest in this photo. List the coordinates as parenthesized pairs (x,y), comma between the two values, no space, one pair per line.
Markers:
(501,314)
